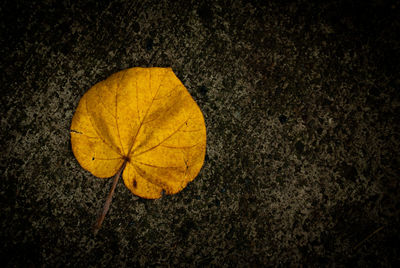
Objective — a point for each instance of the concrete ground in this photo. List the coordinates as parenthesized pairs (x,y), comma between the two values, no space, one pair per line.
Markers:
(301,103)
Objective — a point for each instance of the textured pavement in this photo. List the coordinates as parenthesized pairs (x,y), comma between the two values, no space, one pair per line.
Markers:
(301,104)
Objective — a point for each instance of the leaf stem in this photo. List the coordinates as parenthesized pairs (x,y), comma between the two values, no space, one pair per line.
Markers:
(107,204)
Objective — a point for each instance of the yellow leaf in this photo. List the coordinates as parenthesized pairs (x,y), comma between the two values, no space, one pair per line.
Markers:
(145,119)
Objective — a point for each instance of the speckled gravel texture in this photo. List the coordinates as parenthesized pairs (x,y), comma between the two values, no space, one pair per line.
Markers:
(301,103)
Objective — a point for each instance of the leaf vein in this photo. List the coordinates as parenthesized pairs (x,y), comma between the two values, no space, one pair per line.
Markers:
(157,183)
(116,110)
(155,166)
(169,136)
(97,132)
(147,111)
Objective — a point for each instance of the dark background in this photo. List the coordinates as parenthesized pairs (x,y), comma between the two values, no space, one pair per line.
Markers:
(301,103)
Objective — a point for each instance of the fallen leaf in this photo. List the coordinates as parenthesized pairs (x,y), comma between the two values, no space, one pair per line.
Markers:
(144,121)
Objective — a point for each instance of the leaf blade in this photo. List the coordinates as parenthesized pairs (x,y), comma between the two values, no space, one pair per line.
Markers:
(147,117)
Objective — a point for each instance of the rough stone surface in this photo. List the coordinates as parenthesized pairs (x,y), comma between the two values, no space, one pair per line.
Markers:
(301,103)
